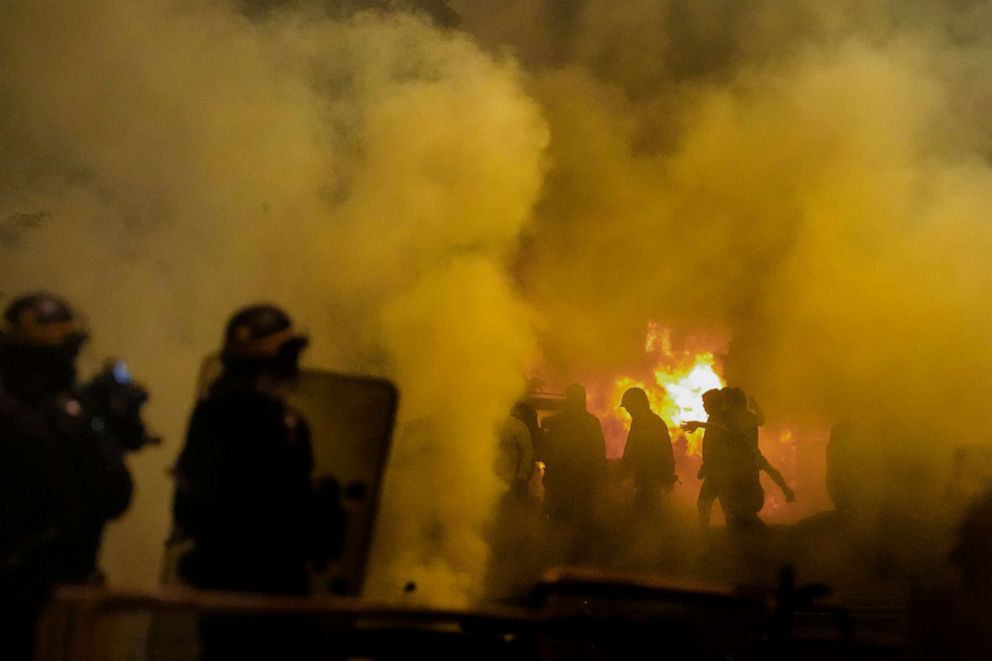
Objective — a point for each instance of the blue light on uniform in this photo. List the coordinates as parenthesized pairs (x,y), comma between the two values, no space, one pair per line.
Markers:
(122,374)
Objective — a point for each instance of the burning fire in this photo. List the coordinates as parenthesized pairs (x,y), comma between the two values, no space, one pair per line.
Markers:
(675,380)
(675,386)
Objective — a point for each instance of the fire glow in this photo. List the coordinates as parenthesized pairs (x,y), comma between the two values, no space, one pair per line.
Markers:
(675,385)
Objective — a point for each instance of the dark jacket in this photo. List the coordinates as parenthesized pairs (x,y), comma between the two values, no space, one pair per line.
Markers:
(648,454)
(244,495)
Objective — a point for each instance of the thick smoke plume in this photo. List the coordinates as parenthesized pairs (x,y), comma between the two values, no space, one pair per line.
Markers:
(812,178)
(809,179)
(370,173)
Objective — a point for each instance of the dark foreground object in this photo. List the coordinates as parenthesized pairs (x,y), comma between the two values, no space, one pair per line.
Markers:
(574,615)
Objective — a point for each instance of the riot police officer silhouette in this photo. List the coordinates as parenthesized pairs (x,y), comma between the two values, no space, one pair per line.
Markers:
(62,470)
(243,484)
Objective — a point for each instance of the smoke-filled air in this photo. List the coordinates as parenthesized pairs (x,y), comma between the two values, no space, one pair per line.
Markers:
(471,196)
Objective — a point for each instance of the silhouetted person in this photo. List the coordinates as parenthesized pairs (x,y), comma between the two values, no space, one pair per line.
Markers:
(841,547)
(745,412)
(515,455)
(952,621)
(741,496)
(714,467)
(733,461)
(647,455)
(526,413)
(243,487)
(62,470)
(515,532)
(576,459)
(972,553)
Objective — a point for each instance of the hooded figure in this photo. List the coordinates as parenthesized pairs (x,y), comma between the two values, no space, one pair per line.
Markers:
(647,456)
(576,459)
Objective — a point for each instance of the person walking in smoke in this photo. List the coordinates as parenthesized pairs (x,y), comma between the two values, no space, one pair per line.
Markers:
(647,455)
(732,459)
(515,455)
(950,618)
(514,534)
(243,488)
(714,467)
(743,417)
(575,460)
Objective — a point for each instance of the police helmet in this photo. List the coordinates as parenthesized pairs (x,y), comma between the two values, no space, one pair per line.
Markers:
(39,342)
(262,333)
(42,320)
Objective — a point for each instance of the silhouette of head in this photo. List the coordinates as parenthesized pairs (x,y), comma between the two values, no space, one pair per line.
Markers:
(575,398)
(712,401)
(734,398)
(635,400)
(39,343)
(260,339)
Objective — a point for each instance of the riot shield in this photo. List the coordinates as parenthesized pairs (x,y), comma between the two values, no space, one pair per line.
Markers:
(351,421)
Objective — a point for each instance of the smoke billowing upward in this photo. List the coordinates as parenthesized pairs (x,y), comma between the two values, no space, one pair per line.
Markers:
(370,173)
(810,179)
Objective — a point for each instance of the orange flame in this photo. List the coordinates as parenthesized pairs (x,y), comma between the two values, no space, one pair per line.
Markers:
(676,386)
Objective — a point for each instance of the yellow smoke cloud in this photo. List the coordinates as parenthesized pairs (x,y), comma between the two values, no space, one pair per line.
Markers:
(795,185)
(811,179)
(370,173)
